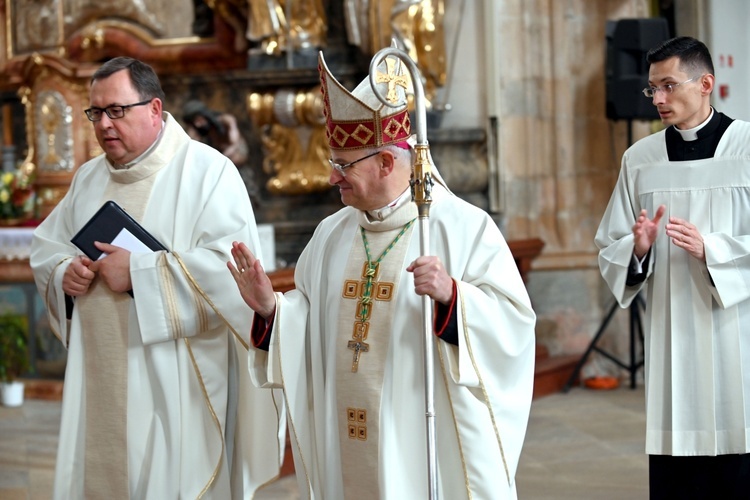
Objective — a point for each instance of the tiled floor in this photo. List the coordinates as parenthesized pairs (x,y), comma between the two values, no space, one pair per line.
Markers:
(580,445)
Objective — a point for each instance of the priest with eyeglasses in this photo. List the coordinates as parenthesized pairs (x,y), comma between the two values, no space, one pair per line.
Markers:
(678,227)
(157,400)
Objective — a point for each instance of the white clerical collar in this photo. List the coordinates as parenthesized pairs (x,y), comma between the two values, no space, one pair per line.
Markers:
(691,134)
(145,153)
(384,212)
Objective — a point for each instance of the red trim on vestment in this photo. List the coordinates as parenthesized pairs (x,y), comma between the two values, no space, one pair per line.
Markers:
(439,330)
(260,330)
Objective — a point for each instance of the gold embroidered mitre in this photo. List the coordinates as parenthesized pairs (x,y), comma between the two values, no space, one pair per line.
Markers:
(357,119)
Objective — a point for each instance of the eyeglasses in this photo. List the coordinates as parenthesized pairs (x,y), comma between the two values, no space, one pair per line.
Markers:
(114,112)
(667,89)
(341,168)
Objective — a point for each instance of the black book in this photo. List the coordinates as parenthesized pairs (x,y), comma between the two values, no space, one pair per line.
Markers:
(105,225)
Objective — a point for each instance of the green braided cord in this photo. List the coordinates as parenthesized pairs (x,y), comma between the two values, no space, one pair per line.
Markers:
(370,273)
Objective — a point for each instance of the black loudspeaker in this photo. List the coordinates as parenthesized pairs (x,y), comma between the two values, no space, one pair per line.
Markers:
(628,42)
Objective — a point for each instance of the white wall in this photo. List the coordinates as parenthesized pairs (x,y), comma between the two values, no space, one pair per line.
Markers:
(729,43)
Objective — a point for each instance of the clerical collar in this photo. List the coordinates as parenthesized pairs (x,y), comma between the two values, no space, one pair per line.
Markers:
(383,213)
(691,134)
(144,154)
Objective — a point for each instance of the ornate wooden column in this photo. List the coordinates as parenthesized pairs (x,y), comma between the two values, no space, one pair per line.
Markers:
(55,93)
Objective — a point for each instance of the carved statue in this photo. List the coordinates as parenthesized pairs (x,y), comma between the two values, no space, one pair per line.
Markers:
(218,130)
(281,25)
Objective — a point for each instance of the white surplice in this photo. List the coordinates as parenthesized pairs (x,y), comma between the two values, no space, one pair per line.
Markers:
(697,323)
(196,426)
(483,386)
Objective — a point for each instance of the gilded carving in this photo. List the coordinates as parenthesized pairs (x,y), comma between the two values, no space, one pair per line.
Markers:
(281,25)
(286,117)
(28,163)
(297,170)
(58,137)
(93,38)
(420,28)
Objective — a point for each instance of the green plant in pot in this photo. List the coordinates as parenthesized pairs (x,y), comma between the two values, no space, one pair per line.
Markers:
(14,357)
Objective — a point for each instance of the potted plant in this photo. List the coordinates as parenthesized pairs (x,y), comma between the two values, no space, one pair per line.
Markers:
(14,358)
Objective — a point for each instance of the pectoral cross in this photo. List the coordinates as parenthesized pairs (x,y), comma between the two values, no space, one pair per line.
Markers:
(358,346)
(364,292)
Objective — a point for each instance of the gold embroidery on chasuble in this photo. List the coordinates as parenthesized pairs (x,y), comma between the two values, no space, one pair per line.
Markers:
(365,323)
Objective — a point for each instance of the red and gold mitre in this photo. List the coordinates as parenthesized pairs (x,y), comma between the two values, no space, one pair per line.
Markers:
(357,119)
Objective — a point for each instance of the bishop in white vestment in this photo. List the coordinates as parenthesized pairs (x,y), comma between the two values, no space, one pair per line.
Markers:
(346,345)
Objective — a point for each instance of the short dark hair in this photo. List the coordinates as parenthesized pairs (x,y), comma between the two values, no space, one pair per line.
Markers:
(142,76)
(693,54)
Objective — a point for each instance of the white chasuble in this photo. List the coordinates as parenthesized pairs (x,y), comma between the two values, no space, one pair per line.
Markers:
(364,331)
(697,322)
(483,385)
(155,404)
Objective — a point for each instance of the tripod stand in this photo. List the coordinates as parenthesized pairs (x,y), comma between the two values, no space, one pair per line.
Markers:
(634,311)
(635,324)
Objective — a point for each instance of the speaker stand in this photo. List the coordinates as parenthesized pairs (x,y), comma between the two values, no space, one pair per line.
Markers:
(636,325)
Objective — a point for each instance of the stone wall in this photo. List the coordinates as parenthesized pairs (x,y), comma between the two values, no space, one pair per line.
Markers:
(560,157)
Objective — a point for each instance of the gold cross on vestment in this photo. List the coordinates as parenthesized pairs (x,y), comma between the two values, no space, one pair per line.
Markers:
(392,79)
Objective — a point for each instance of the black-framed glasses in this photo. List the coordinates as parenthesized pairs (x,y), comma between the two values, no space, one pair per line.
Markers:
(667,89)
(114,112)
(342,168)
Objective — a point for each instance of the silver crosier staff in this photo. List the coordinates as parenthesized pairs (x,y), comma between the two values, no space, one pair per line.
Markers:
(421,192)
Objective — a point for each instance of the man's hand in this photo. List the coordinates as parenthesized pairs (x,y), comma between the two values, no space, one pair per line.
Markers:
(78,276)
(431,278)
(114,269)
(252,281)
(686,236)
(646,230)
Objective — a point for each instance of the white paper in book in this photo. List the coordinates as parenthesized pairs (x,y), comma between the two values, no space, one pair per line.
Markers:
(127,240)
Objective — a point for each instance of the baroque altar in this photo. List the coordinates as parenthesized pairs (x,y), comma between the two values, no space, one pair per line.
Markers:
(251,67)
